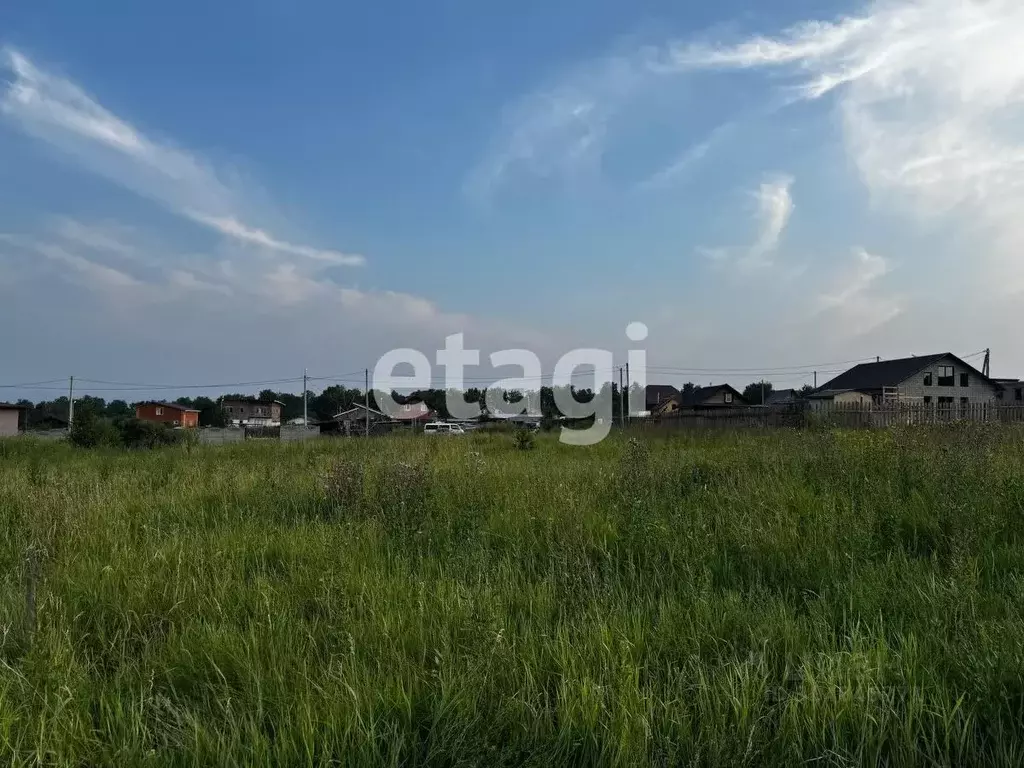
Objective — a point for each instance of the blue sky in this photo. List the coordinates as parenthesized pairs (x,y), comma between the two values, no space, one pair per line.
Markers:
(237,191)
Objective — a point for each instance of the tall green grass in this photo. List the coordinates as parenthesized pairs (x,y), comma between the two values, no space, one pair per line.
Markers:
(759,599)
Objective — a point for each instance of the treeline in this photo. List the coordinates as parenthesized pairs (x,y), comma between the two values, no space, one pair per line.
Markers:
(335,399)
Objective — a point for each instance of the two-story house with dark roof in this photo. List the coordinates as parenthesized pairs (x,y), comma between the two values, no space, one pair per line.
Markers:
(940,379)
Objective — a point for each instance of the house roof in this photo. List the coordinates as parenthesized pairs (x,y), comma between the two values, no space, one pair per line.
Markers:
(869,377)
(700,395)
(175,406)
(357,407)
(660,393)
(781,396)
(414,412)
(250,401)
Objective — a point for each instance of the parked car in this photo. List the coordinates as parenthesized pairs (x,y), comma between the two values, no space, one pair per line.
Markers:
(441,428)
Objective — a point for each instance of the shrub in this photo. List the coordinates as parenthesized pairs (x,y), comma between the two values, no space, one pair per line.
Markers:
(91,431)
(148,434)
(523,440)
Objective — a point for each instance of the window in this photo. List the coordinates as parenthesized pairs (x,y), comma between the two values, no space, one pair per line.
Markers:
(945,401)
(927,399)
(928,379)
(728,397)
(1019,394)
(159,411)
(963,380)
(963,401)
(945,375)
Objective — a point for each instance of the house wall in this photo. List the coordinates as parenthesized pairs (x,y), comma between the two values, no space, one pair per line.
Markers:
(167,415)
(719,399)
(1013,394)
(9,422)
(977,390)
(240,411)
(852,398)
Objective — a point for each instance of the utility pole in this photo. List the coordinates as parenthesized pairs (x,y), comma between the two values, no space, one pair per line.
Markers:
(762,392)
(622,421)
(305,404)
(815,379)
(366,397)
(625,395)
(71,403)
(985,369)
(878,358)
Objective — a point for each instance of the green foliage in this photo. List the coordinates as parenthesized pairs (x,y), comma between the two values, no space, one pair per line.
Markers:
(762,599)
(757,392)
(523,439)
(90,430)
(148,434)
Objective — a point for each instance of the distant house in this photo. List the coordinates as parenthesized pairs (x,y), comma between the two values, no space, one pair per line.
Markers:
(167,413)
(352,421)
(414,413)
(1011,391)
(703,399)
(657,396)
(782,397)
(941,379)
(11,419)
(251,411)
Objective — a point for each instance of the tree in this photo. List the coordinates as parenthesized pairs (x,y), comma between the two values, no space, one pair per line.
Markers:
(756,393)
(213,416)
(90,430)
(119,409)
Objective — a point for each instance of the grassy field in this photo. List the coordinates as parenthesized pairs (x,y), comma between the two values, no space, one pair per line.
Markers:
(760,599)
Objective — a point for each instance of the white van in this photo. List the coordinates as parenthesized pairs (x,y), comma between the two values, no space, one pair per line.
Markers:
(442,428)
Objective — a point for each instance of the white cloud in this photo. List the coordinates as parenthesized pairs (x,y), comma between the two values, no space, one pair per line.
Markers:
(853,304)
(774,208)
(59,112)
(931,97)
(237,230)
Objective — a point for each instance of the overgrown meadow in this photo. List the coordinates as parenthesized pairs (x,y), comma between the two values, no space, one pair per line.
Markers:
(714,599)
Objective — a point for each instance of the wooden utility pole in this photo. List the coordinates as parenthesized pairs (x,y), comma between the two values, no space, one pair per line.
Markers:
(71,403)
(305,404)
(366,399)
(625,395)
(985,368)
(622,421)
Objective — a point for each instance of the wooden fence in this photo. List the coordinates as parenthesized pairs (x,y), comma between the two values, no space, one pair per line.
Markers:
(852,416)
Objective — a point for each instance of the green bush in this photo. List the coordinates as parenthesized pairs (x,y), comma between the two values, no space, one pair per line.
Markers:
(92,431)
(136,433)
(523,439)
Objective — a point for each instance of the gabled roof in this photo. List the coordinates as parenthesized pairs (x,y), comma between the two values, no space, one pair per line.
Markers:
(175,406)
(357,407)
(660,393)
(251,401)
(703,394)
(782,396)
(888,373)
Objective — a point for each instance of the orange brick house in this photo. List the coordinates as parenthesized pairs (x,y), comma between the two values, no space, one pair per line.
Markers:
(171,414)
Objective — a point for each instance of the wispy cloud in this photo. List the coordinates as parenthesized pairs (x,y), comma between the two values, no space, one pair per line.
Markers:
(931,96)
(853,299)
(59,112)
(774,208)
(235,229)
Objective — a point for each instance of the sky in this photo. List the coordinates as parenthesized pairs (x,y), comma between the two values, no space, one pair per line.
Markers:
(222,193)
